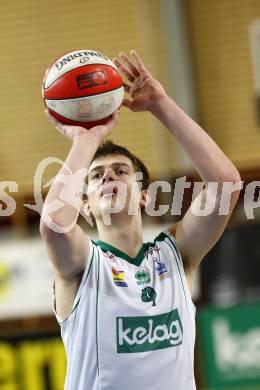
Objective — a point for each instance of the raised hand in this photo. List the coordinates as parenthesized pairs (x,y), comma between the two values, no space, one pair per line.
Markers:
(73,132)
(143,88)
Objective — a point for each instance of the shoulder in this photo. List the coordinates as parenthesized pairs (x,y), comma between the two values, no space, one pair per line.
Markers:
(165,241)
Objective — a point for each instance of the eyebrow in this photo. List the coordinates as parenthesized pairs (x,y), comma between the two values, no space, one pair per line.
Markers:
(114,165)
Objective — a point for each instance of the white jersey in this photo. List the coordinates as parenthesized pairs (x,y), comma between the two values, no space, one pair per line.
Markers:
(132,324)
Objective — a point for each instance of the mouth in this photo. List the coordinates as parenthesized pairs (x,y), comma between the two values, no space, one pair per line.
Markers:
(109,190)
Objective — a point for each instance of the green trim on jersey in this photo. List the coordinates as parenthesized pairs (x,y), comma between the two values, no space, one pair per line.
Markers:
(97,312)
(77,302)
(175,249)
(132,260)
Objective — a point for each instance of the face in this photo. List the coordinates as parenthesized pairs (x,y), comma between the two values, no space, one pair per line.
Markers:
(112,185)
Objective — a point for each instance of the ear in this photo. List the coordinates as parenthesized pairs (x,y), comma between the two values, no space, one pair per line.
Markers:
(145,198)
(86,213)
(86,208)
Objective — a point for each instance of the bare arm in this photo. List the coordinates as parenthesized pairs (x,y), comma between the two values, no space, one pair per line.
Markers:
(68,248)
(195,234)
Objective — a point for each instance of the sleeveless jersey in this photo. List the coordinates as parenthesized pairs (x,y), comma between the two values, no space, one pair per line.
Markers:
(132,324)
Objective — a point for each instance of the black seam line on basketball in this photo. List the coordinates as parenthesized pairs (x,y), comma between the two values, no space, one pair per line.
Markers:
(96,63)
(82,97)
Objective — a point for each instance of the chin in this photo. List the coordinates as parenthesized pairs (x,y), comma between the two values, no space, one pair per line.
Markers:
(109,208)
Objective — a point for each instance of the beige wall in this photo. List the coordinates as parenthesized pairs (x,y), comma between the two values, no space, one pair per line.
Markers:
(33,34)
(224,75)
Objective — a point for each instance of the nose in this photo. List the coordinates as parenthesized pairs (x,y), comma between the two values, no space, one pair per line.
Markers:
(107,176)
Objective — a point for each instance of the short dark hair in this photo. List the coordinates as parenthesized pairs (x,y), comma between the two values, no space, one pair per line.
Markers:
(108,147)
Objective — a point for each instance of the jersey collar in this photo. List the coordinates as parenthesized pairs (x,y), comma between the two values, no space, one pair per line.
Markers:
(132,260)
(117,252)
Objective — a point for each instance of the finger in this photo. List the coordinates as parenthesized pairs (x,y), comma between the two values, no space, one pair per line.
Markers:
(130,64)
(115,116)
(52,119)
(127,103)
(104,130)
(124,69)
(49,116)
(139,62)
(127,87)
(64,130)
(111,121)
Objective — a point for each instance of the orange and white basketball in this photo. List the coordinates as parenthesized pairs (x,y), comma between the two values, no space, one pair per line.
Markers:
(82,88)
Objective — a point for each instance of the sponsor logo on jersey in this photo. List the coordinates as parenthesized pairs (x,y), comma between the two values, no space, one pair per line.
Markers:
(160,267)
(161,270)
(110,256)
(154,251)
(142,277)
(149,295)
(149,333)
(119,278)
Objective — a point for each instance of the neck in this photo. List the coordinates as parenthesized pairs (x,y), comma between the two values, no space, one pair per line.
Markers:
(124,234)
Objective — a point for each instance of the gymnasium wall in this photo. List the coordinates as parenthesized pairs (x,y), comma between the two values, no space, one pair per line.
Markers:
(32,35)
(223,70)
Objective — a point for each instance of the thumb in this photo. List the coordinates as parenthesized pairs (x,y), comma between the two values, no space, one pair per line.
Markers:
(113,120)
(127,103)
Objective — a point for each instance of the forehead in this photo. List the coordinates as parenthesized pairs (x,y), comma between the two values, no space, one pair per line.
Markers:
(109,160)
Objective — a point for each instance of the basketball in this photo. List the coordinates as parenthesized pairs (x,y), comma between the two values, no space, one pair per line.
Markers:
(82,88)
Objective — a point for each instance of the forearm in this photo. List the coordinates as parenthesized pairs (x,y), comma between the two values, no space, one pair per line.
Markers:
(80,156)
(208,159)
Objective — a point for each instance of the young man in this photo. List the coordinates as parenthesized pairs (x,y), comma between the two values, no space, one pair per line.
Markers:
(124,307)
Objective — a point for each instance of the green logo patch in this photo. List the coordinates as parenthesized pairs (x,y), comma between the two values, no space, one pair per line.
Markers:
(142,277)
(142,334)
(148,295)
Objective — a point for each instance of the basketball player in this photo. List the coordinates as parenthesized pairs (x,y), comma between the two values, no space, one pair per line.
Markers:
(124,307)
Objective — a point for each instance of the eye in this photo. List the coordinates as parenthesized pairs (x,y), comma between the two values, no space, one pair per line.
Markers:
(96,176)
(122,172)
